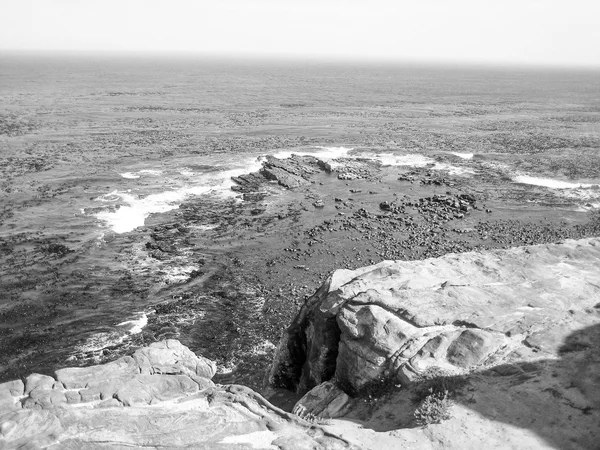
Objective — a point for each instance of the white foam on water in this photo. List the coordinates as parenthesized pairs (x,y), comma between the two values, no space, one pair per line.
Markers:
(135,326)
(99,341)
(115,196)
(417,160)
(139,173)
(204,227)
(323,153)
(589,196)
(129,175)
(333,152)
(550,183)
(178,274)
(100,239)
(579,192)
(588,206)
(153,172)
(390,159)
(224,178)
(463,155)
(186,172)
(386,159)
(454,170)
(133,213)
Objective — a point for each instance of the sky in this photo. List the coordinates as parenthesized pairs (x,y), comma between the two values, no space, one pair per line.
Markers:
(530,32)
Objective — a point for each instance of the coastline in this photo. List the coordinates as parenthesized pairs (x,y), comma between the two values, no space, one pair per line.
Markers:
(515,350)
(270,247)
(225,276)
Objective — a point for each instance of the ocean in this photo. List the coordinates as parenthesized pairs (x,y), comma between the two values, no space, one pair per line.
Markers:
(98,152)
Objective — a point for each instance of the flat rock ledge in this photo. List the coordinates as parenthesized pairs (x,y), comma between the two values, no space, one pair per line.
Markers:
(520,326)
(161,397)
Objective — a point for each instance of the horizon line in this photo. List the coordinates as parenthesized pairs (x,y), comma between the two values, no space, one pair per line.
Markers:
(305,58)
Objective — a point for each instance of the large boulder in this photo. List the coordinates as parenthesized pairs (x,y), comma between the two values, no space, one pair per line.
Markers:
(500,346)
(461,312)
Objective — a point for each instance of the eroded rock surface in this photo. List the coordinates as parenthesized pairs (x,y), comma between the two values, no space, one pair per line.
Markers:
(460,312)
(520,329)
(296,171)
(161,397)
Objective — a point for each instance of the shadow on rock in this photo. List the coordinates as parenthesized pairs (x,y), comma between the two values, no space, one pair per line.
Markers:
(558,399)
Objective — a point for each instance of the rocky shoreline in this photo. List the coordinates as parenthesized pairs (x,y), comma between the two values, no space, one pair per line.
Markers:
(242,269)
(303,217)
(512,335)
(439,171)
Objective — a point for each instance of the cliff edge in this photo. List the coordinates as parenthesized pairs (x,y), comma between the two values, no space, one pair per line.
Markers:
(498,340)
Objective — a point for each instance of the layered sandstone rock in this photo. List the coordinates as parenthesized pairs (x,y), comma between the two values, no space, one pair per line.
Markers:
(461,312)
(161,397)
(518,330)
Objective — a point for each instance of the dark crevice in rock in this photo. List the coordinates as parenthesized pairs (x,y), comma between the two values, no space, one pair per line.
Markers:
(287,369)
(308,350)
(321,361)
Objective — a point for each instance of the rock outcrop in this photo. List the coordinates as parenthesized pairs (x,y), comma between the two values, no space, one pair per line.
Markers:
(296,171)
(517,329)
(524,322)
(460,312)
(161,397)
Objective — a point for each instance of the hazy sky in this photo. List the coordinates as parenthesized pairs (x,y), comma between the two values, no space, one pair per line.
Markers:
(565,32)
